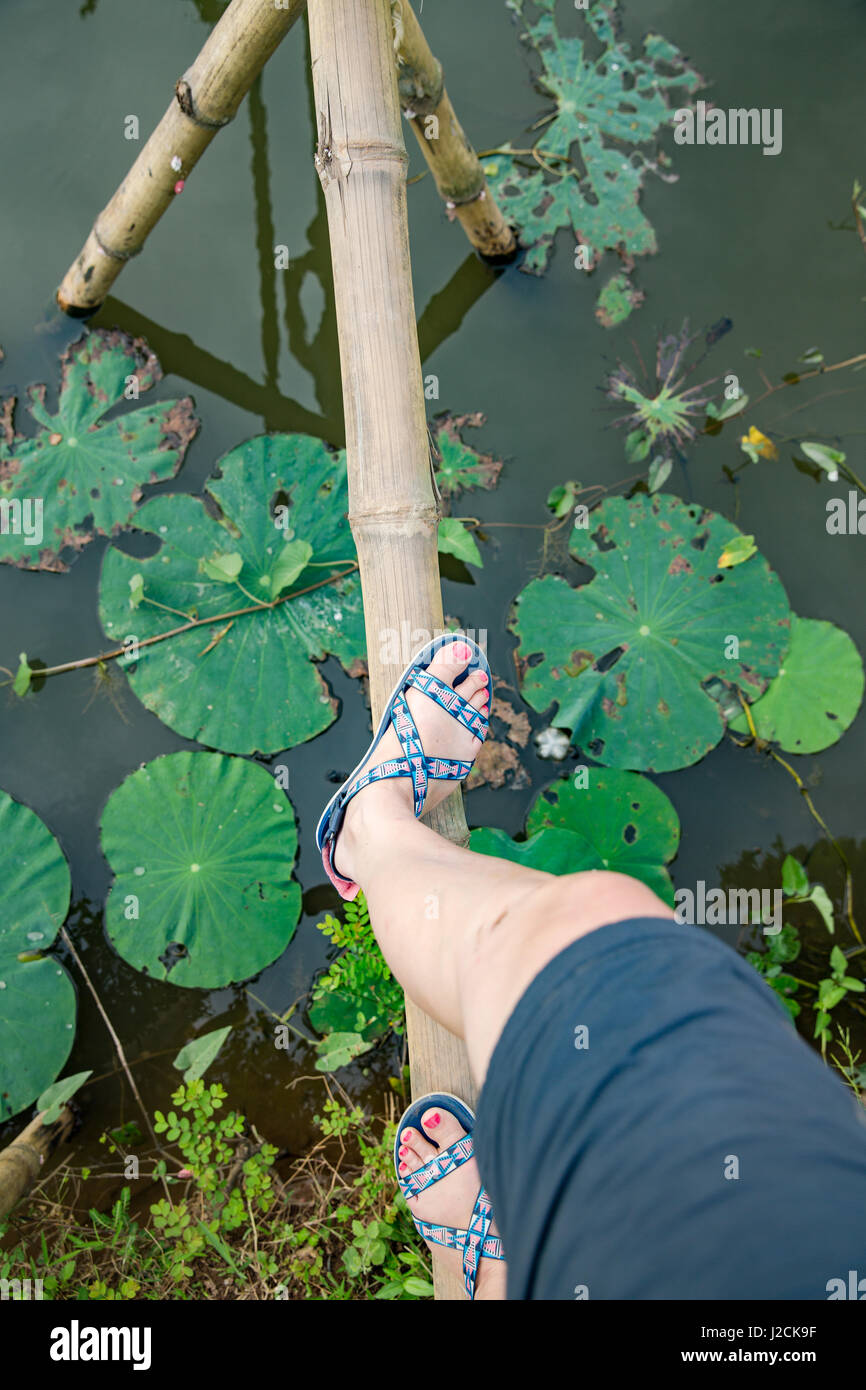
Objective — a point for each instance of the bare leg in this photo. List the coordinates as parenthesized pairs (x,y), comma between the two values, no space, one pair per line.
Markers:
(464,933)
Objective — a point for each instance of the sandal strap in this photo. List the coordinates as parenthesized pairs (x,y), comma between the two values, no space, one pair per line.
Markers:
(476,1234)
(455,1239)
(439,1166)
(451,701)
(407,732)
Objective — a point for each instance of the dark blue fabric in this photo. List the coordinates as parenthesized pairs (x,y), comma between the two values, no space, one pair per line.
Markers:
(606,1166)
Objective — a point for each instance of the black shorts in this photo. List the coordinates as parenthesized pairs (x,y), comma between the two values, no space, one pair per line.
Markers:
(652,1127)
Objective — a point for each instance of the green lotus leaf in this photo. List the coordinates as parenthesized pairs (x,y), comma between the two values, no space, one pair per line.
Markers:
(37,996)
(609,102)
(618,821)
(817,693)
(459,467)
(79,465)
(202,848)
(625,657)
(244,684)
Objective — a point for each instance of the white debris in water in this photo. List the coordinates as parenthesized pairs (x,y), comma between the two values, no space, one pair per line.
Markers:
(552,743)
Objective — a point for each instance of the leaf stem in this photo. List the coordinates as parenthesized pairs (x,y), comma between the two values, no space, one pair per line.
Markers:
(188,627)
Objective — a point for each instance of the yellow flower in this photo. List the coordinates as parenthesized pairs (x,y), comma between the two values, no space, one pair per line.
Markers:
(760,443)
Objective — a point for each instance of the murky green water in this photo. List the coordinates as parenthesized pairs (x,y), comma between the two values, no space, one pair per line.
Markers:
(740,235)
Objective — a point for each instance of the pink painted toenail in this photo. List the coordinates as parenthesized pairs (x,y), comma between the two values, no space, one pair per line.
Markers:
(407,1136)
(403,1168)
(461,651)
(433,1121)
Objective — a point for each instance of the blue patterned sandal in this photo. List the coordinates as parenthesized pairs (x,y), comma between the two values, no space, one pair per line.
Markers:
(474,1241)
(414,763)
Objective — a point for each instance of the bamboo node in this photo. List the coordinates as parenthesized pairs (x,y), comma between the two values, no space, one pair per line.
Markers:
(186,102)
(110,251)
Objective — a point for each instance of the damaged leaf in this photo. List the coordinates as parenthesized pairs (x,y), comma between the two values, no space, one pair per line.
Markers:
(79,465)
(816,694)
(600,819)
(206,898)
(624,658)
(459,467)
(257,688)
(591,159)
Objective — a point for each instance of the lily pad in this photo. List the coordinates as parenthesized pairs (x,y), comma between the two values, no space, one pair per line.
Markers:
(625,657)
(79,465)
(202,848)
(817,693)
(244,684)
(459,467)
(609,102)
(37,996)
(618,821)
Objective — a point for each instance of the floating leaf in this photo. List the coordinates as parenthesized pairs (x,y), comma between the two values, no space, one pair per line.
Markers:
(52,1101)
(202,848)
(795,880)
(816,694)
(37,997)
(195,1058)
(618,821)
(459,467)
(659,472)
(21,683)
(729,408)
(609,102)
(291,563)
(455,539)
(223,569)
(136,590)
(338,1050)
(561,500)
(819,896)
(624,657)
(79,465)
(757,445)
(825,457)
(616,300)
(737,552)
(256,689)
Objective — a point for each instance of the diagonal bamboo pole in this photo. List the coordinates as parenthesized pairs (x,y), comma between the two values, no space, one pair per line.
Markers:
(361,162)
(205,99)
(21,1161)
(453,162)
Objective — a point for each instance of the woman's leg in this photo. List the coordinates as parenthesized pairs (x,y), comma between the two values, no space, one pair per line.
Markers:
(465,933)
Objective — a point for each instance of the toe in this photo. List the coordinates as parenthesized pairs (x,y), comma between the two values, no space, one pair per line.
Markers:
(450,660)
(475,689)
(441,1126)
(413,1142)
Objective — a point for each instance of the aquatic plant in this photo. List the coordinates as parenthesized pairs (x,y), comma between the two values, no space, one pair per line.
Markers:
(626,658)
(83,474)
(586,168)
(273,573)
(37,996)
(599,818)
(663,415)
(356,1002)
(816,694)
(206,897)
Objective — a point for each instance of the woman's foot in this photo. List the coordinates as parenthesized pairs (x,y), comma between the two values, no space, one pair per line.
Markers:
(441,736)
(450,1201)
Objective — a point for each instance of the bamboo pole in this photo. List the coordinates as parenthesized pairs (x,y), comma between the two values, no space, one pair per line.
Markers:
(205,99)
(361,161)
(22,1160)
(453,162)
